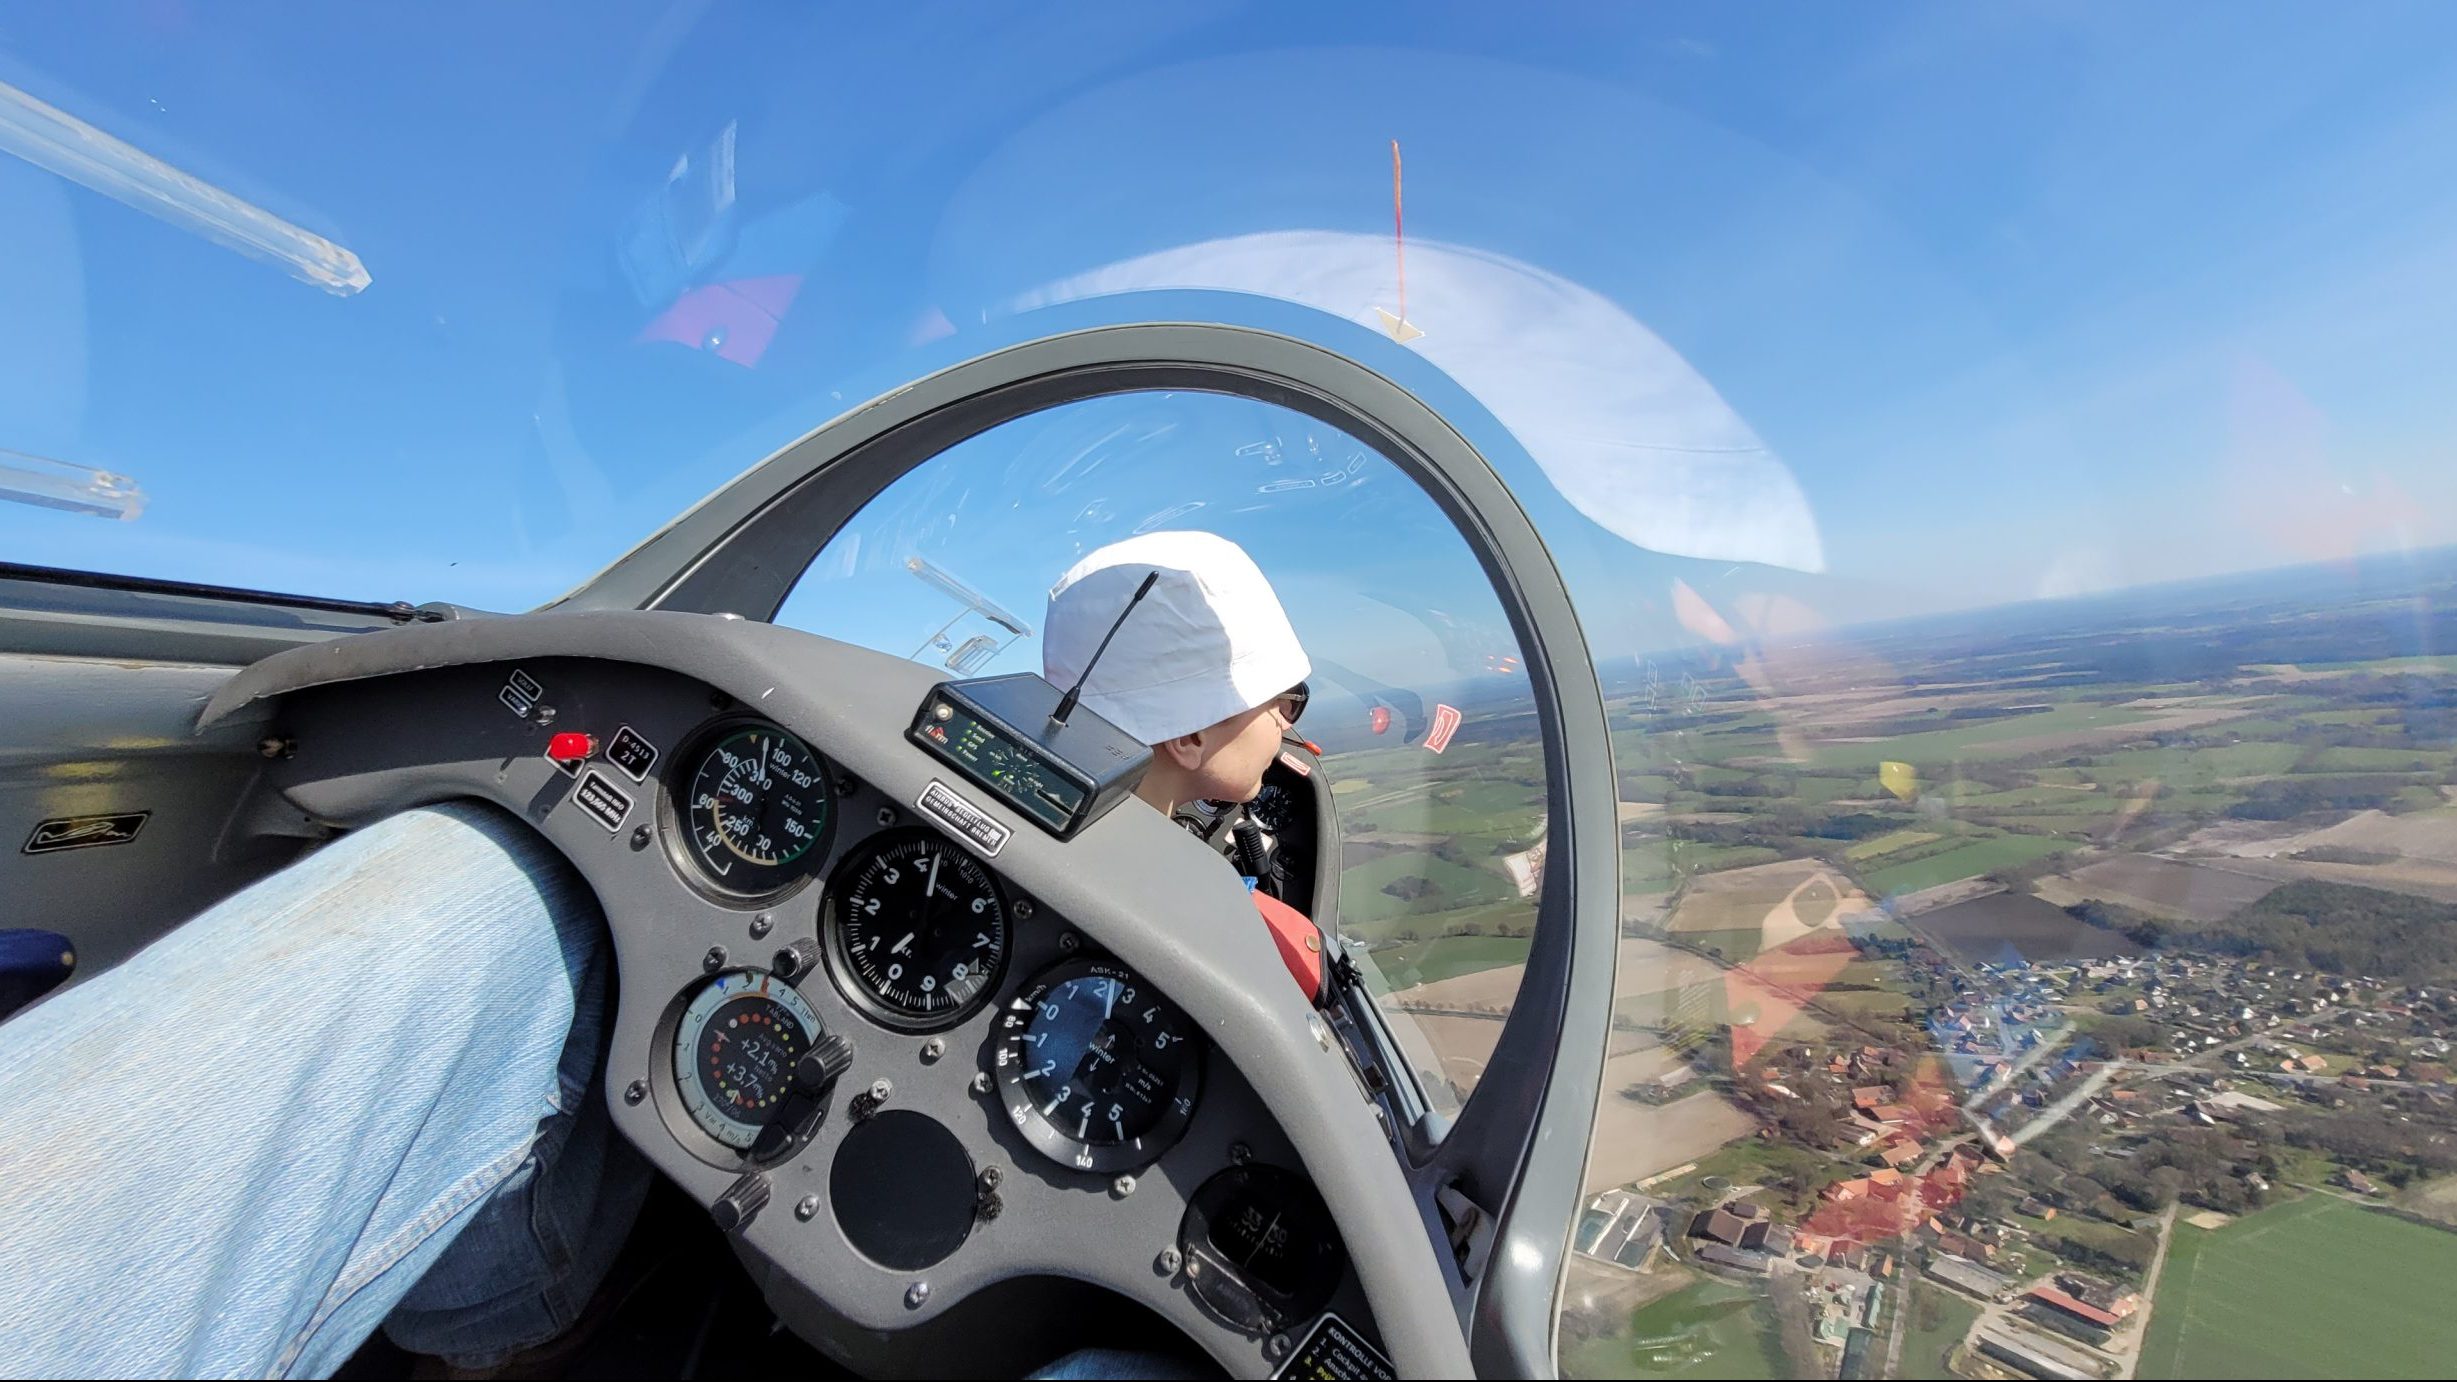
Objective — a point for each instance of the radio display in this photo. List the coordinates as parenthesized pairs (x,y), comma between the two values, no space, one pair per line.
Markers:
(997,762)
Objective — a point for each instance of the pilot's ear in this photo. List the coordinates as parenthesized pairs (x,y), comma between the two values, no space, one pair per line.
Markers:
(1185,751)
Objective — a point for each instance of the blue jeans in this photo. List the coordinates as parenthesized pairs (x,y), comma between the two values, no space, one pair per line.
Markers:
(359,1093)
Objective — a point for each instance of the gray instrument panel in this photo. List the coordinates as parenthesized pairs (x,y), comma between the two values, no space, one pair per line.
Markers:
(365,747)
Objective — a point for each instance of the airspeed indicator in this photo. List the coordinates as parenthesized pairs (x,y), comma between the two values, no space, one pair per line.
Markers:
(754,811)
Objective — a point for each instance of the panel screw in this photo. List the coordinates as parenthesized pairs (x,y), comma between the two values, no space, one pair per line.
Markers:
(718,700)
(714,960)
(933,1049)
(639,838)
(1194,1266)
(1123,1186)
(545,715)
(844,786)
(868,1101)
(887,815)
(916,1294)
(1276,1345)
(635,1091)
(1240,1154)
(1023,909)
(276,746)
(991,1176)
(761,925)
(807,1209)
(1322,1034)
(1169,1261)
(981,1082)
(1069,942)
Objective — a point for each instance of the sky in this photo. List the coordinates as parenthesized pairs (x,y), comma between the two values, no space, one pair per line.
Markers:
(1376,582)
(1882,311)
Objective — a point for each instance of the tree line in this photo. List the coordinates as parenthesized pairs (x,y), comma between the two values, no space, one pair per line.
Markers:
(2336,928)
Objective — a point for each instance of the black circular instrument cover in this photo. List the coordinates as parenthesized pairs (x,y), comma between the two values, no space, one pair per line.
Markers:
(902,1188)
(1271,1251)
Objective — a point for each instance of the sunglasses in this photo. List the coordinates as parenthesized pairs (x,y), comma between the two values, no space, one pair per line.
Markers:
(1292,702)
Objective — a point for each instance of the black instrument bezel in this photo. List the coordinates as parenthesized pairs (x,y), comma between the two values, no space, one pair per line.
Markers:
(1233,1295)
(1046,1137)
(673,826)
(770,1142)
(839,961)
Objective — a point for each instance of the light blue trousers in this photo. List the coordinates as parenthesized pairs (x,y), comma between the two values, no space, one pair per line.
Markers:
(359,1093)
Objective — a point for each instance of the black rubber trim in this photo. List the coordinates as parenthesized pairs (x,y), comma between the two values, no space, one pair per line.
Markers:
(397,611)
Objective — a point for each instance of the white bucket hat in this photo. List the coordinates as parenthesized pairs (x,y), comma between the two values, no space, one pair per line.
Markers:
(1209,642)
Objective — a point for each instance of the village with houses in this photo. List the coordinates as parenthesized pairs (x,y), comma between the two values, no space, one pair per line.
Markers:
(2002,1182)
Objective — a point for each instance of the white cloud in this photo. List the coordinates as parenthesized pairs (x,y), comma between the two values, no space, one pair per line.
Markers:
(2075,571)
(1629,431)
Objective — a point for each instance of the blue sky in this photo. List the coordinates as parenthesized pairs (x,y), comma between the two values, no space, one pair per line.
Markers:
(1941,306)
(1393,598)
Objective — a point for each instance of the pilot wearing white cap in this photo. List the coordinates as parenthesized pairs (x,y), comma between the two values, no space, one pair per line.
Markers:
(1206,670)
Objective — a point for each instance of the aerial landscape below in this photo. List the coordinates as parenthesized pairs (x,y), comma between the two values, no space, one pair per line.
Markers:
(2055,990)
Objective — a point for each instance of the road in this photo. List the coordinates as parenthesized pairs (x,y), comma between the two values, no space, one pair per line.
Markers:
(2021,1067)
(2128,1345)
(2203,1062)
(2057,1112)
(1902,1316)
(2098,1080)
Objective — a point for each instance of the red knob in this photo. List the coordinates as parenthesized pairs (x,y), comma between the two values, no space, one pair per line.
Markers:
(571,748)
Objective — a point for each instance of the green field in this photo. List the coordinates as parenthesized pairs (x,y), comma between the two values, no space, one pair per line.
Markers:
(1821,790)
(1698,858)
(2197,767)
(2073,826)
(1467,803)
(1361,897)
(2350,717)
(1893,841)
(1752,1161)
(2424,799)
(1985,739)
(1648,868)
(1924,1351)
(1645,787)
(1445,957)
(2088,1232)
(1862,1004)
(1708,1330)
(2045,800)
(1737,944)
(2317,1287)
(2378,761)
(1969,861)
(2425,664)
(1704,774)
